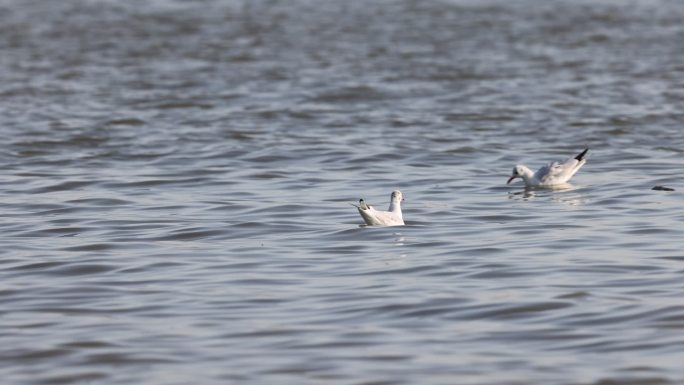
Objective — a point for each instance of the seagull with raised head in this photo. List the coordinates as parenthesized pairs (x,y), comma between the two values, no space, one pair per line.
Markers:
(555,173)
(391,217)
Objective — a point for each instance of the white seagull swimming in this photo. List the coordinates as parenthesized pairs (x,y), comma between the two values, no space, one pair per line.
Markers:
(391,217)
(552,174)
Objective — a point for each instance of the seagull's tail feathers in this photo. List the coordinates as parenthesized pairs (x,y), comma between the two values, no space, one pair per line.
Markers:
(362,205)
(580,157)
(359,205)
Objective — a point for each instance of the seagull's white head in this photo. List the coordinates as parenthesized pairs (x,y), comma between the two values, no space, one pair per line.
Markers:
(397,196)
(518,172)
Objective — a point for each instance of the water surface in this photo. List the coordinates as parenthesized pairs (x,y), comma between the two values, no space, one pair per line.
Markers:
(177,178)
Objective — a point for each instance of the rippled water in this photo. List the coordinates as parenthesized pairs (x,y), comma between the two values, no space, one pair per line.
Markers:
(177,178)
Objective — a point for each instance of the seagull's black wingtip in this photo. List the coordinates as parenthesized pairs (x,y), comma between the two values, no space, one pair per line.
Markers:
(582,154)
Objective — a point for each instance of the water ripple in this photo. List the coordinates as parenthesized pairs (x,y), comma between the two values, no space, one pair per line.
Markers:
(177,178)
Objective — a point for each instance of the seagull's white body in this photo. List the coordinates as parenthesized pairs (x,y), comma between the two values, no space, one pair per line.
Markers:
(392,217)
(553,174)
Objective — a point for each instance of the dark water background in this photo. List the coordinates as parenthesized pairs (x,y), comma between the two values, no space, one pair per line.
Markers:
(176,179)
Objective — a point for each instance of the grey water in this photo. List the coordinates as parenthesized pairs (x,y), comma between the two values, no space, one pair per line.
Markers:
(177,178)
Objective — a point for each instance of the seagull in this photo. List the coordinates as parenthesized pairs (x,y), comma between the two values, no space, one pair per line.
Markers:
(553,174)
(392,217)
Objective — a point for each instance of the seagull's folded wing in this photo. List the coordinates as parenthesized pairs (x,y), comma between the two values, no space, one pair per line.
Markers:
(557,172)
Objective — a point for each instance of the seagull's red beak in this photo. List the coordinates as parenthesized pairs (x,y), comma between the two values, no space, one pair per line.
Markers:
(511,179)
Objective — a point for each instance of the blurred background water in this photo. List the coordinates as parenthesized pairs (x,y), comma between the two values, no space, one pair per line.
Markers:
(176,179)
